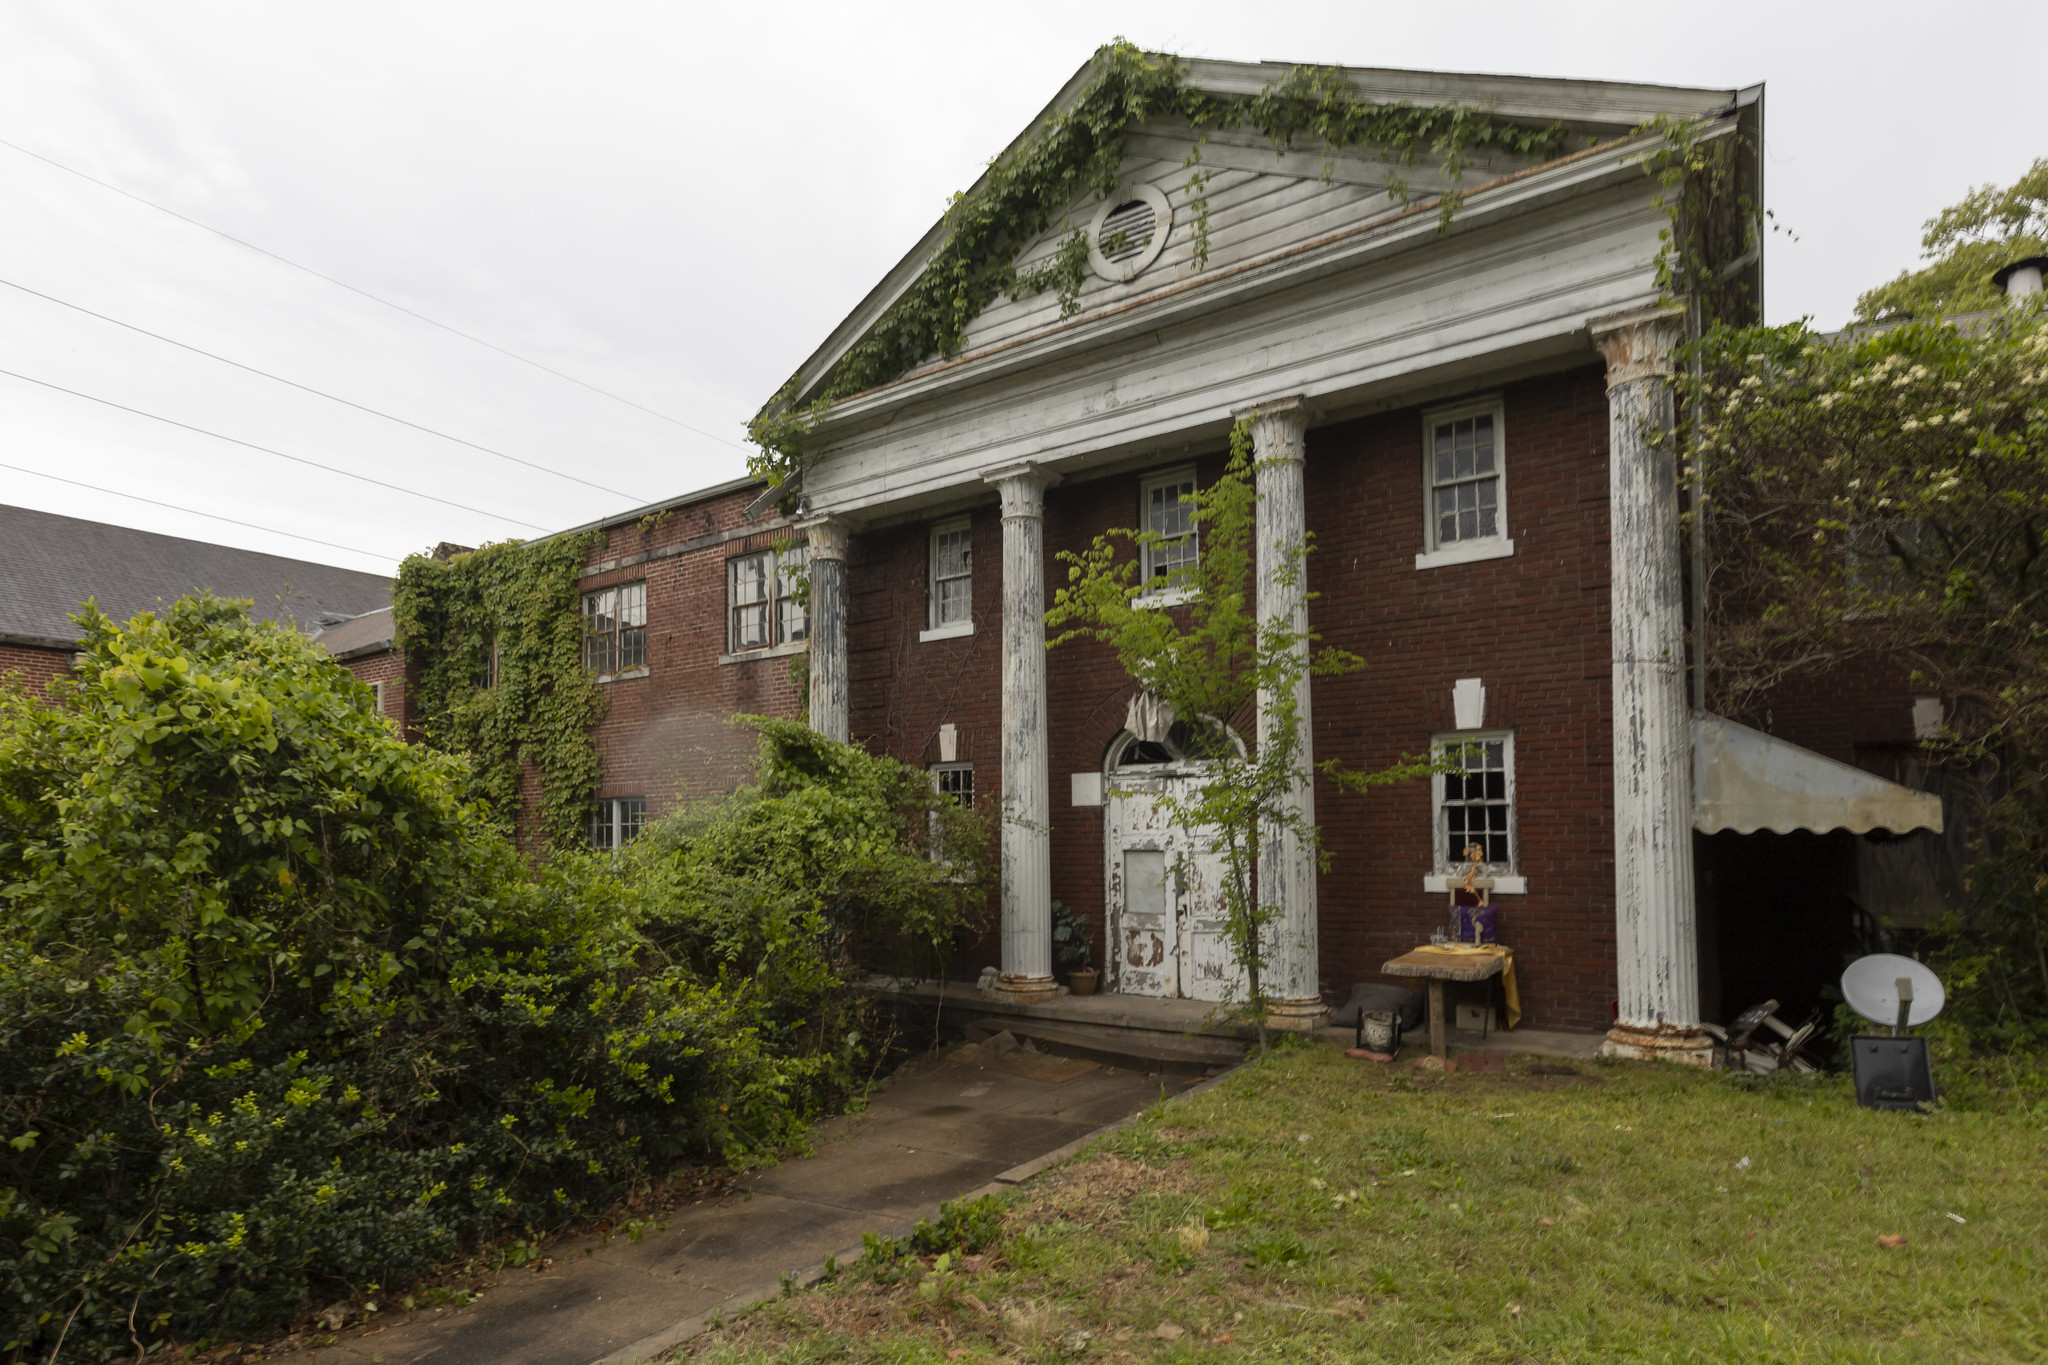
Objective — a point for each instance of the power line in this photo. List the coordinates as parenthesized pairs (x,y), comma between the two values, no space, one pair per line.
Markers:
(344,284)
(267,450)
(195,512)
(307,388)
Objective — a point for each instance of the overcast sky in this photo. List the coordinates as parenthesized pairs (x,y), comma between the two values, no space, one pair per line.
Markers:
(674,203)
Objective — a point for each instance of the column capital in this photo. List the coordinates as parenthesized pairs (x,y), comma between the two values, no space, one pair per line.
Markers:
(1637,343)
(1279,426)
(827,536)
(1022,486)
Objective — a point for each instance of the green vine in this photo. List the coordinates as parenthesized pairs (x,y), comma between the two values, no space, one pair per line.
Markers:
(1081,150)
(1714,228)
(542,705)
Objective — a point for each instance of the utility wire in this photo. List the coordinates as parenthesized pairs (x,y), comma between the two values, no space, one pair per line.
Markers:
(296,459)
(344,284)
(307,388)
(195,512)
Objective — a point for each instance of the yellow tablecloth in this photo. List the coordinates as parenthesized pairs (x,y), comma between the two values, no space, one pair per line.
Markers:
(1457,955)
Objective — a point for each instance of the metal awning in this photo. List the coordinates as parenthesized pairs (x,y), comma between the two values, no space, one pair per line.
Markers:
(1746,780)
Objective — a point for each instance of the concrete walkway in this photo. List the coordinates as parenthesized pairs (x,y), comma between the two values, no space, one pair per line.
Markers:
(940,1128)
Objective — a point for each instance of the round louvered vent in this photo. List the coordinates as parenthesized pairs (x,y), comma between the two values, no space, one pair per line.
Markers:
(1129,232)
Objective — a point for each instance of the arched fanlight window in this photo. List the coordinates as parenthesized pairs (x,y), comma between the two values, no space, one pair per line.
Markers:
(1202,741)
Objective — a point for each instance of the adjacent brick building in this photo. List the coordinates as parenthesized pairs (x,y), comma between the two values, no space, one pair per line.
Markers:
(51,565)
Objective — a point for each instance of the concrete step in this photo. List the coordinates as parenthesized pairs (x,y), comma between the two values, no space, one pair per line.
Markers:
(1100,1042)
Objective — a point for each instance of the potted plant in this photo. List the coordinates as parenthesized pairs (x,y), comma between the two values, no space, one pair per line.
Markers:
(1071,944)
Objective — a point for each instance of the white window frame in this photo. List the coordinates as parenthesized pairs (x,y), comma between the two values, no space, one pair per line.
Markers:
(621,820)
(935,629)
(783,568)
(1435,554)
(1507,879)
(377,696)
(1148,595)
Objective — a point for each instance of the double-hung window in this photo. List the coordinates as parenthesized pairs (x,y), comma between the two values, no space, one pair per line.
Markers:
(1475,801)
(1169,518)
(954,781)
(952,578)
(761,596)
(1464,478)
(615,629)
(617,821)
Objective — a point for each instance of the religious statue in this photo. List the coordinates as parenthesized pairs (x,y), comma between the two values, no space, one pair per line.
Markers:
(1473,915)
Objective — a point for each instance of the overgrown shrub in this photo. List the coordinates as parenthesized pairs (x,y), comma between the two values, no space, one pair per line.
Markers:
(281,1017)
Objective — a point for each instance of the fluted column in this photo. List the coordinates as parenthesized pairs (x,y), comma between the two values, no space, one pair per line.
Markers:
(1027,805)
(1655,920)
(828,700)
(1287,865)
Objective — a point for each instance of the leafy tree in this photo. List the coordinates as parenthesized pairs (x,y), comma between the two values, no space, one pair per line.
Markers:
(1219,667)
(1966,243)
(1884,497)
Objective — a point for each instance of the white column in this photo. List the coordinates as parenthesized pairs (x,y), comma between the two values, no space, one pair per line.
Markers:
(1655,920)
(828,700)
(1287,867)
(1027,805)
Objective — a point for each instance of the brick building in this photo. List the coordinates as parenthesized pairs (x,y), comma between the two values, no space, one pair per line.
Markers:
(51,565)
(1461,415)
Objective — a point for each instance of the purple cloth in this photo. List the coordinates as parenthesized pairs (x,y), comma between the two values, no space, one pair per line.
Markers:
(1476,924)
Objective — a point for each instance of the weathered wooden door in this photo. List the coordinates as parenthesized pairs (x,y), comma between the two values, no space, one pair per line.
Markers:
(1164,892)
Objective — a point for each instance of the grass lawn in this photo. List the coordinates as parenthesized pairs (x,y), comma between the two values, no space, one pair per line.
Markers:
(1315,1208)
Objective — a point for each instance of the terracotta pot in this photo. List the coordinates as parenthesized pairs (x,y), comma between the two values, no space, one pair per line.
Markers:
(1082,982)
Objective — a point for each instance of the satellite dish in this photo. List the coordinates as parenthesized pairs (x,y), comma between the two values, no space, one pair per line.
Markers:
(1873,988)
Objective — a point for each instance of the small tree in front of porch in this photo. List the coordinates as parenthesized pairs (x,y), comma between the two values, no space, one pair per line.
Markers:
(1220,668)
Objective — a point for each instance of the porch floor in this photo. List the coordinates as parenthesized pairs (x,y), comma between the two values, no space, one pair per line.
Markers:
(1148,1028)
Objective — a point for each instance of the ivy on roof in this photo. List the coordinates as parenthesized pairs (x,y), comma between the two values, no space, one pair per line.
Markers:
(1080,150)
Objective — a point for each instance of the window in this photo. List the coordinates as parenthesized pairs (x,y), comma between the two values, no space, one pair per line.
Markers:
(1476,805)
(1464,459)
(761,595)
(1168,514)
(487,671)
(952,570)
(377,697)
(615,629)
(955,780)
(617,821)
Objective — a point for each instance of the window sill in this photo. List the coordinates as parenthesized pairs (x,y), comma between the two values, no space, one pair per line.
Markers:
(747,656)
(629,674)
(952,631)
(1502,886)
(1466,553)
(1170,597)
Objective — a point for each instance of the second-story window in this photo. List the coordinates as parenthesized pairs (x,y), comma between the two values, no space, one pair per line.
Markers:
(615,628)
(952,586)
(1170,515)
(1464,464)
(761,595)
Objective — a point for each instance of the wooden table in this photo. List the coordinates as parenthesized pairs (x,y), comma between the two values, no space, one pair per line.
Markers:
(1437,966)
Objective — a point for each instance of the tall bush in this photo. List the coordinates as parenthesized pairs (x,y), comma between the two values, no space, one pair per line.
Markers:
(282,1017)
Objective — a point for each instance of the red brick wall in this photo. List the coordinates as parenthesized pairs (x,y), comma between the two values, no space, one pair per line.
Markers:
(1534,627)
(25,666)
(387,667)
(668,736)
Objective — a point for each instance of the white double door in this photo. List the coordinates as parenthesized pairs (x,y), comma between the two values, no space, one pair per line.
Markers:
(1165,891)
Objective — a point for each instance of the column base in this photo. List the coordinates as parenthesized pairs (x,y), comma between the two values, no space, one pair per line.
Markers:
(1026,990)
(1659,1043)
(1297,1016)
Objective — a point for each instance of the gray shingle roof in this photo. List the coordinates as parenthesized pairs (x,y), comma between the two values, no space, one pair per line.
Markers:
(369,633)
(50,564)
